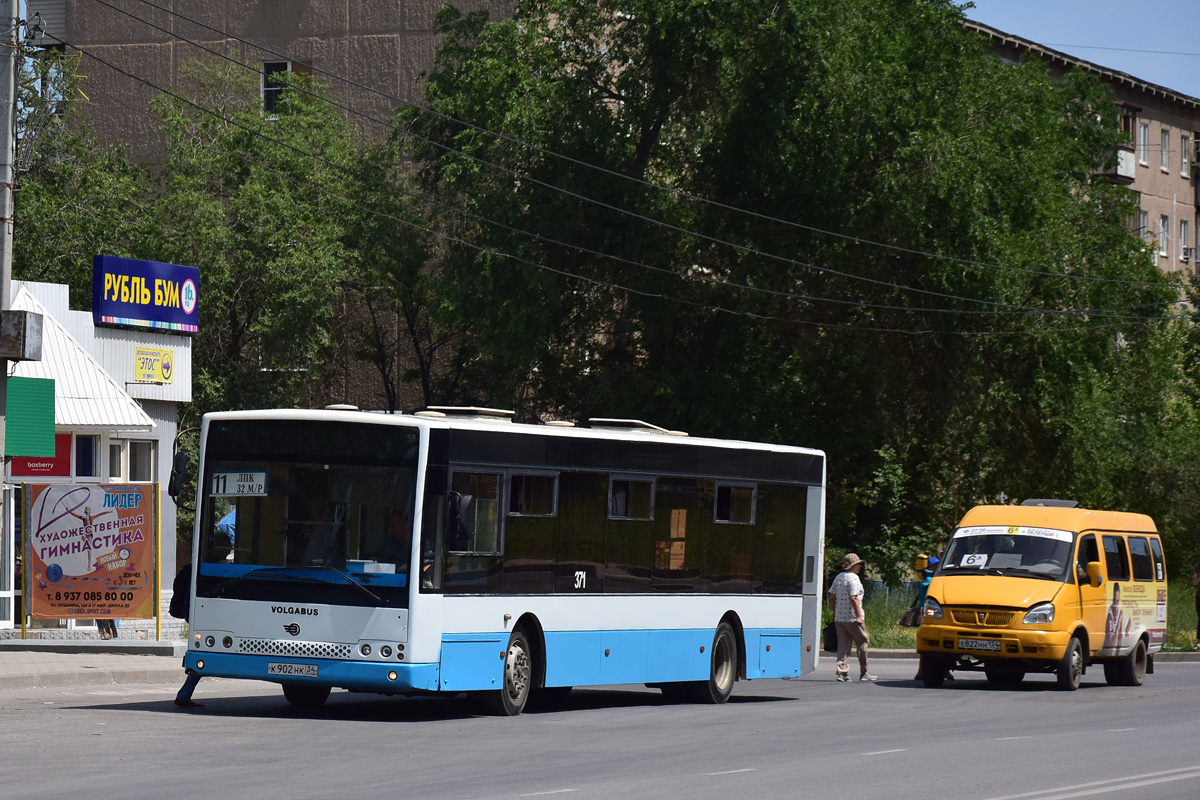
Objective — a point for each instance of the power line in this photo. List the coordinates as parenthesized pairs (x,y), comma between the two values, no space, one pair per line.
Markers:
(677,192)
(1007,308)
(608,284)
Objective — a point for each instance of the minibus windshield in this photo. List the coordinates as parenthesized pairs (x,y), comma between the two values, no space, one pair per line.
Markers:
(1015,551)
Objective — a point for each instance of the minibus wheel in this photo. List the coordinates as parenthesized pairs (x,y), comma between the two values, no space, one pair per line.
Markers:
(1133,666)
(933,671)
(1070,668)
(305,695)
(1002,672)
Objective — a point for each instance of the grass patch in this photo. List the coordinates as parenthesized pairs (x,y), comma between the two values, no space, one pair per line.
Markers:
(883,610)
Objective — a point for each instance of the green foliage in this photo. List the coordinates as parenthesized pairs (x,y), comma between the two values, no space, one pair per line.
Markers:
(882,121)
(252,200)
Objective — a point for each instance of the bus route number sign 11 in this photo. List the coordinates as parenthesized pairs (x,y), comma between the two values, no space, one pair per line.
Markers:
(238,484)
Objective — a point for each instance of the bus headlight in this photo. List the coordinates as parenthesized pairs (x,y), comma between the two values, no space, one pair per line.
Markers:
(1041,614)
(932,609)
(210,641)
(365,649)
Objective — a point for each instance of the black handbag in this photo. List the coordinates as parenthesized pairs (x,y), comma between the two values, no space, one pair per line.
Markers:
(829,638)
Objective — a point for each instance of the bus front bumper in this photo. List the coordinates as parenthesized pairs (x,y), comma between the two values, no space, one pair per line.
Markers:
(353,675)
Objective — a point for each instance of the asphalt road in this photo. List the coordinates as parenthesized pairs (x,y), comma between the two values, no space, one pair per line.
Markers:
(809,738)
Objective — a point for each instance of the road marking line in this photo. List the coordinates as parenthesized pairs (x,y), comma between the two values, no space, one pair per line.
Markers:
(1112,785)
(554,791)
(1119,730)
(884,752)
(1011,738)
(732,771)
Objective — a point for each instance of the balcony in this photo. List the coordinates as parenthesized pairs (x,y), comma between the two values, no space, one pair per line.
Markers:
(1126,169)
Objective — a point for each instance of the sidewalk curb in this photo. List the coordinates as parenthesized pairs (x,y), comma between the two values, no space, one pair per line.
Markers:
(92,677)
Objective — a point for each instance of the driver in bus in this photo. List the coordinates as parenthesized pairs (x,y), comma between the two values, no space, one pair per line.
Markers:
(395,548)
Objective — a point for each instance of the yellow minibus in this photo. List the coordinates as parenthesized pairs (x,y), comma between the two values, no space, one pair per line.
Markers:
(1046,587)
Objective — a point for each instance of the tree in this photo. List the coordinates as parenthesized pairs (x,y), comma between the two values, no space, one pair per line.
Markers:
(75,197)
(255,201)
(962,350)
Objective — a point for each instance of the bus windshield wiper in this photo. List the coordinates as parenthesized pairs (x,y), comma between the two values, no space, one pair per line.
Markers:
(1031,573)
(259,572)
(354,583)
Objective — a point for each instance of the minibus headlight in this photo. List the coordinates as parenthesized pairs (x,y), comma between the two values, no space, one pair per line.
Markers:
(1041,614)
(932,609)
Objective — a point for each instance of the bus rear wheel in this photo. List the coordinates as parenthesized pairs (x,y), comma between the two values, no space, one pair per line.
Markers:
(305,695)
(518,677)
(722,669)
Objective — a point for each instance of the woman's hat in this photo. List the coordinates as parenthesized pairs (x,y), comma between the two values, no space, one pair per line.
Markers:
(933,561)
(850,560)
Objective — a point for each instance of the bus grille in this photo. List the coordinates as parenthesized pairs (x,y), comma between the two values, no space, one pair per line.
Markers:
(991,619)
(284,647)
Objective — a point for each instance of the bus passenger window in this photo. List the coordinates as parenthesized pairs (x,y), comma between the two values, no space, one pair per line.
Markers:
(1117,558)
(531,495)
(1139,553)
(475,526)
(631,499)
(1160,571)
(734,504)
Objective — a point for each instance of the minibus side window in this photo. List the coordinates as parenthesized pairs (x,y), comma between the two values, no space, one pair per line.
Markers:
(1117,558)
(1139,552)
(1087,552)
(1160,570)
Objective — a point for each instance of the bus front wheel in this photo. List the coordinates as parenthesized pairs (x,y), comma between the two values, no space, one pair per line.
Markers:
(518,677)
(722,668)
(305,695)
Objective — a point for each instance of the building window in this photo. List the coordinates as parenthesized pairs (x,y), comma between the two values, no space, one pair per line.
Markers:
(87,456)
(275,80)
(1166,149)
(1185,248)
(116,461)
(1128,122)
(141,461)
(1143,229)
(1164,234)
(1185,155)
(1144,143)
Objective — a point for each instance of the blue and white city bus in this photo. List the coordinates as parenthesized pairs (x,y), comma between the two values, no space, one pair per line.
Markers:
(453,550)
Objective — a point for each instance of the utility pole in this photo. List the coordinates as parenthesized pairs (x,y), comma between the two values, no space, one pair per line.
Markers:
(9,24)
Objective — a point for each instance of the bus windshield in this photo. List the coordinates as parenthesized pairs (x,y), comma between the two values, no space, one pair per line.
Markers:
(316,513)
(1015,551)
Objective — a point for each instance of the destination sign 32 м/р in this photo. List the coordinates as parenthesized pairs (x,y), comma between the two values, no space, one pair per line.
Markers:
(145,294)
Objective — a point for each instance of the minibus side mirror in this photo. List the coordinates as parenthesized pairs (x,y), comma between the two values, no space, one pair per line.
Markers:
(1093,572)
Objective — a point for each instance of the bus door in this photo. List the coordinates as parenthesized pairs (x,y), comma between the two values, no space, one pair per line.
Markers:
(1093,602)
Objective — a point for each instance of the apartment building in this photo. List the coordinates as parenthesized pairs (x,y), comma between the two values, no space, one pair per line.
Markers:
(1159,161)
(370,53)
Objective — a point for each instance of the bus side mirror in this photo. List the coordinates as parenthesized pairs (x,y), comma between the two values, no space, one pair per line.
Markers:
(1093,573)
(178,472)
